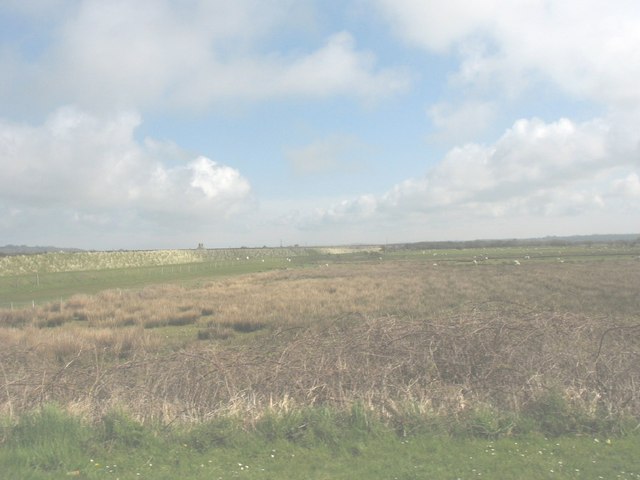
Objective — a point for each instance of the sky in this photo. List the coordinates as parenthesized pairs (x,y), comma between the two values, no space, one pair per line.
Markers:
(154,124)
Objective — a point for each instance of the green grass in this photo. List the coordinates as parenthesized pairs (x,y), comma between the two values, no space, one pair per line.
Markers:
(25,279)
(22,290)
(500,255)
(312,444)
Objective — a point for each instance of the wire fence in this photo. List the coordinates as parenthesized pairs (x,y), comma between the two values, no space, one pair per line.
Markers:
(24,304)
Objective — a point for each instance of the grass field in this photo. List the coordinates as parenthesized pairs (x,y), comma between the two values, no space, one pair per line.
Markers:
(35,279)
(401,362)
(315,445)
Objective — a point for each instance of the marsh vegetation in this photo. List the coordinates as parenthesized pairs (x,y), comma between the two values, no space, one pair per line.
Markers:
(489,349)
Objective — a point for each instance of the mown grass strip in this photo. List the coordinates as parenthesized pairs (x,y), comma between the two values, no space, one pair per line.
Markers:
(312,444)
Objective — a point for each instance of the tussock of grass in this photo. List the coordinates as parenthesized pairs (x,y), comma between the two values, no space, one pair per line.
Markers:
(245,326)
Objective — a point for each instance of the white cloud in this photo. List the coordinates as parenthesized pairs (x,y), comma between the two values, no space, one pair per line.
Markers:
(535,170)
(217,181)
(92,169)
(629,186)
(170,54)
(587,48)
(339,68)
(439,25)
(348,211)
(336,68)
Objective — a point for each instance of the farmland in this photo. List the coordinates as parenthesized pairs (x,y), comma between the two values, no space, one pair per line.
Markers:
(492,344)
(29,279)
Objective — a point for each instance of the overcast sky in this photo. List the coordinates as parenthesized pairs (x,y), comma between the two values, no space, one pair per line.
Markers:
(166,123)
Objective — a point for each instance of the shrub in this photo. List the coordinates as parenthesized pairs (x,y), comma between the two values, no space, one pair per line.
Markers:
(221,432)
(215,333)
(185,318)
(51,321)
(306,427)
(247,326)
(487,422)
(9,318)
(554,416)
(80,315)
(118,428)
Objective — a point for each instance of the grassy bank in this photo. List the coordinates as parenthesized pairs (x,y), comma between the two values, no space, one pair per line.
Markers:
(313,444)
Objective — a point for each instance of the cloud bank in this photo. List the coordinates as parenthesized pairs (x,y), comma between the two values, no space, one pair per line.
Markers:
(177,55)
(82,168)
(542,173)
(536,169)
(588,48)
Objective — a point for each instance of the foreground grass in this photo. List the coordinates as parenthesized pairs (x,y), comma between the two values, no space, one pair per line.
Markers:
(315,445)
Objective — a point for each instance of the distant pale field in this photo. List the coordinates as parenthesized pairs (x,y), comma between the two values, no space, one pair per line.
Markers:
(82,261)
(343,250)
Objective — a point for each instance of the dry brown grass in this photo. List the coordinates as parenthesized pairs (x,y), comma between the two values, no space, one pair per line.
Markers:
(441,339)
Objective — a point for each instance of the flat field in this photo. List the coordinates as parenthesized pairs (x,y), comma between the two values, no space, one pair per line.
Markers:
(484,344)
(27,280)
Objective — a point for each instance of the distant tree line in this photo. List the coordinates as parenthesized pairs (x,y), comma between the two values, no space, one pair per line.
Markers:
(617,240)
(27,250)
